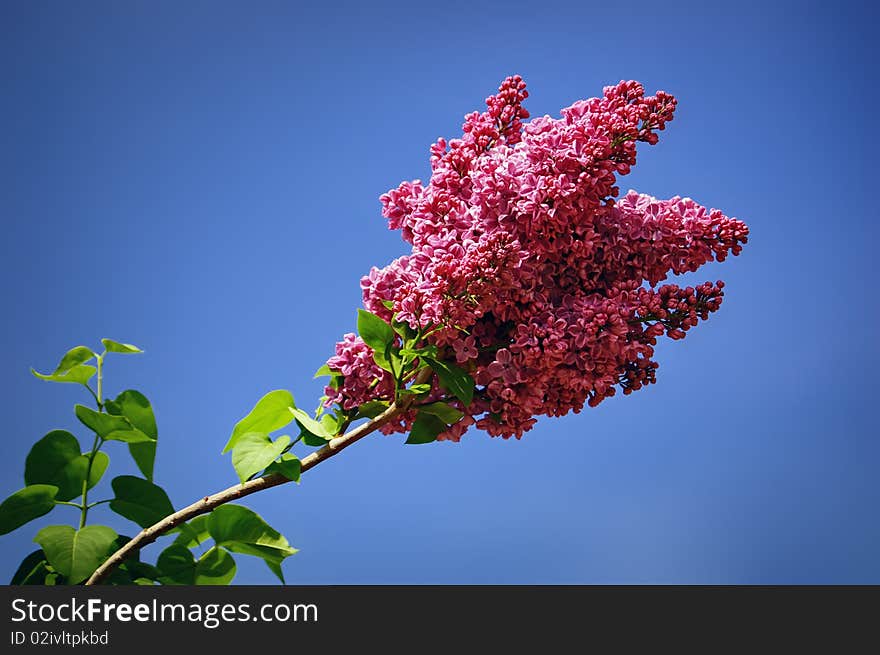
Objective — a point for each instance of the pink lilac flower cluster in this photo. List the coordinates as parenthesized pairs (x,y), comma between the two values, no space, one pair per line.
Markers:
(545,283)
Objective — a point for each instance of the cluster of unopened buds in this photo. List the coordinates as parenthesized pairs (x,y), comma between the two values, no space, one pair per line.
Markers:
(527,269)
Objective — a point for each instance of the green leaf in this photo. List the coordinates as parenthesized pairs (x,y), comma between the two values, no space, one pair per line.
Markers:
(272,412)
(420,388)
(311,440)
(389,304)
(26,505)
(215,567)
(377,334)
(309,424)
(139,500)
(242,530)
(110,427)
(176,565)
(56,459)
(254,451)
(454,379)
(288,466)
(444,412)
(72,358)
(134,406)
(371,409)
(425,429)
(32,570)
(116,347)
(325,370)
(194,532)
(76,554)
(78,374)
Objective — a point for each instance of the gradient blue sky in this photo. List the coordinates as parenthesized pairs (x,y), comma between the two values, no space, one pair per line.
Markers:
(202,179)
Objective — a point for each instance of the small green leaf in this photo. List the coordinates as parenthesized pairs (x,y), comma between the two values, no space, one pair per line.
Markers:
(389,304)
(309,424)
(76,554)
(139,500)
(242,530)
(32,570)
(116,347)
(425,429)
(72,358)
(134,406)
(194,532)
(215,567)
(78,374)
(288,466)
(325,370)
(371,409)
(26,505)
(419,388)
(254,451)
(444,412)
(110,427)
(272,412)
(176,565)
(454,379)
(377,334)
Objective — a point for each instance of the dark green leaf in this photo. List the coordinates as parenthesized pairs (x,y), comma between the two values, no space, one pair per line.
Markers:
(139,500)
(272,412)
(176,566)
(444,412)
(310,425)
(26,505)
(32,570)
(76,554)
(109,427)
(215,567)
(288,466)
(454,379)
(55,459)
(425,429)
(78,374)
(134,406)
(311,440)
(116,347)
(254,451)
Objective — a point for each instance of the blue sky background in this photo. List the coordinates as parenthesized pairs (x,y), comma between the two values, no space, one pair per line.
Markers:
(202,179)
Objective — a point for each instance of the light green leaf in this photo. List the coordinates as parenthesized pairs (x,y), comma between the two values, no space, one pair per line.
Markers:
(134,406)
(254,451)
(325,370)
(116,347)
(425,429)
(420,388)
(110,427)
(242,530)
(73,357)
(215,567)
(272,412)
(25,505)
(176,565)
(78,374)
(139,500)
(309,424)
(76,554)
(444,412)
(288,466)
(377,334)
(454,379)
(372,409)
(193,533)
